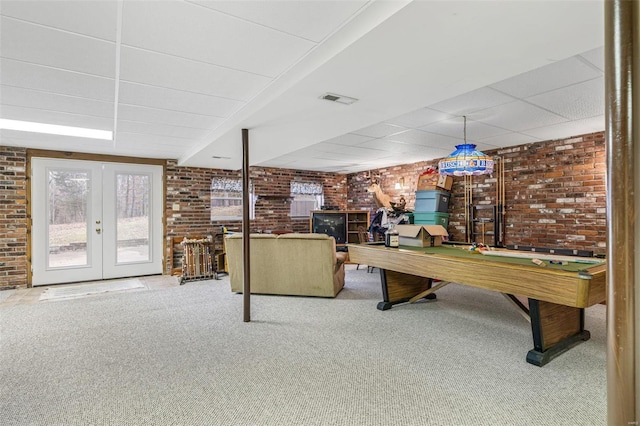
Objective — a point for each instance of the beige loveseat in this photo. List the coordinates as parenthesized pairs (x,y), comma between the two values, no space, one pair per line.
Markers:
(288,264)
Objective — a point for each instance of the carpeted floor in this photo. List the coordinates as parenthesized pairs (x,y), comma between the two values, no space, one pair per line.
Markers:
(181,355)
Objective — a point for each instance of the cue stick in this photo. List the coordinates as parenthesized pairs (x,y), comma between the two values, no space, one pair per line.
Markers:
(541,256)
(428,291)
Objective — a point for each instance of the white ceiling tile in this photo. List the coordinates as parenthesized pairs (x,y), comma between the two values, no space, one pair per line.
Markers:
(142,66)
(550,77)
(574,102)
(475,100)
(203,34)
(55,48)
(161,130)
(455,129)
(176,100)
(419,137)
(349,139)
(124,139)
(21,74)
(312,20)
(93,18)
(380,130)
(165,116)
(365,155)
(429,151)
(595,57)
(15,96)
(385,145)
(571,128)
(510,139)
(56,117)
(519,115)
(419,118)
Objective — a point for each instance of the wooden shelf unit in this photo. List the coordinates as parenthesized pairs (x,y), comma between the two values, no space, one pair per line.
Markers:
(352,220)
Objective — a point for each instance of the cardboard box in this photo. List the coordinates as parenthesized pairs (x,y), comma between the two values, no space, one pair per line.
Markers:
(434,181)
(421,235)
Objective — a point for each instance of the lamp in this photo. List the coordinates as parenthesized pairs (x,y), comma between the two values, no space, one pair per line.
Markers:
(466,160)
(400,183)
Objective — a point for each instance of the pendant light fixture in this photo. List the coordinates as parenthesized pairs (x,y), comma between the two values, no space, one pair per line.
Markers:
(466,160)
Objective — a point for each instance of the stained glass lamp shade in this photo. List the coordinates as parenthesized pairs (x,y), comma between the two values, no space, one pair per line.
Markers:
(466,160)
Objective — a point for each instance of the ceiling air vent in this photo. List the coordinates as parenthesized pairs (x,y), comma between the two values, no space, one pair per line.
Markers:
(338,98)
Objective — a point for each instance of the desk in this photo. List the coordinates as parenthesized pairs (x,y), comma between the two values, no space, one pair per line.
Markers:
(557,294)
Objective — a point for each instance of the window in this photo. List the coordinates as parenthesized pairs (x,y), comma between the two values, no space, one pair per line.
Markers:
(305,197)
(226,199)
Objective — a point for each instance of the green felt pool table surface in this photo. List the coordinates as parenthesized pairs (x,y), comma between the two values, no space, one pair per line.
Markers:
(464,252)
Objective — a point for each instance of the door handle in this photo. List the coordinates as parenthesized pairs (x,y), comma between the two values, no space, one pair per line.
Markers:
(98,230)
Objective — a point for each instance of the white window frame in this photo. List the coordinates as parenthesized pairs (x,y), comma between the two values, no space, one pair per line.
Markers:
(305,197)
(227,189)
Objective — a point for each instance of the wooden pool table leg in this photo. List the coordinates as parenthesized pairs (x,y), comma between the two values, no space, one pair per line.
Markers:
(556,329)
(400,288)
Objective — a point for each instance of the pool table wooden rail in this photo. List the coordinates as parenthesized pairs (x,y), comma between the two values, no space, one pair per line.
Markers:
(557,298)
(576,289)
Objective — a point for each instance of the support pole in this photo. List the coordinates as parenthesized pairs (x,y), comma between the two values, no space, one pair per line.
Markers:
(622,94)
(246,228)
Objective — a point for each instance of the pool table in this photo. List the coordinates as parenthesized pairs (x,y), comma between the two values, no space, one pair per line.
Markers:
(557,293)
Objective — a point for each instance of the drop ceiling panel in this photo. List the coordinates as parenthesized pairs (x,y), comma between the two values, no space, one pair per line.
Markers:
(55,117)
(176,100)
(550,77)
(595,57)
(519,116)
(93,18)
(312,20)
(36,77)
(475,100)
(419,118)
(455,129)
(380,130)
(165,116)
(427,152)
(149,142)
(161,130)
(574,102)
(15,96)
(143,66)
(419,137)
(349,139)
(203,34)
(385,145)
(510,139)
(572,128)
(55,48)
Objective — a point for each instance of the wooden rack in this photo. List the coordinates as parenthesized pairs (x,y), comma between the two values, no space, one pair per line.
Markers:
(197,260)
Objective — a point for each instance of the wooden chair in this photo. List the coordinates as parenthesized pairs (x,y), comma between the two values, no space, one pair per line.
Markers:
(363,237)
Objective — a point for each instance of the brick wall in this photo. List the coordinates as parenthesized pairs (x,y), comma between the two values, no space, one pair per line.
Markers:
(555,197)
(13,217)
(554,192)
(188,188)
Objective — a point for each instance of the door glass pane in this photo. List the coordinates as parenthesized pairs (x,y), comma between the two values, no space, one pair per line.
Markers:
(68,196)
(132,212)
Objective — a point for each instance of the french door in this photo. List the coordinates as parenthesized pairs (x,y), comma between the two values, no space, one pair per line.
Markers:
(94,220)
